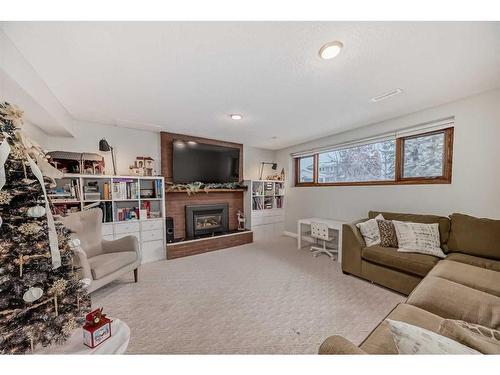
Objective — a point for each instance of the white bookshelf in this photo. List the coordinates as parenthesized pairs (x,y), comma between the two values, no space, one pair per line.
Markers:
(121,208)
(264,207)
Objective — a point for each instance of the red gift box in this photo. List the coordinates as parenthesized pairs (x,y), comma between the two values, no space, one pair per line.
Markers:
(97,328)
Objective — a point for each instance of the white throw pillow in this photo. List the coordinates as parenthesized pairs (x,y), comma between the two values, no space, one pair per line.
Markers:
(411,339)
(369,230)
(418,238)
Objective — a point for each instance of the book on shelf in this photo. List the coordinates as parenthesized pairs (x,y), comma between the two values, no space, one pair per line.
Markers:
(146,205)
(279,202)
(107,212)
(158,188)
(125,189)
(127,213)
(106,191)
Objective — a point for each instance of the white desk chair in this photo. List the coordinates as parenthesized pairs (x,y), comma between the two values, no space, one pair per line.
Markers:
(319,231)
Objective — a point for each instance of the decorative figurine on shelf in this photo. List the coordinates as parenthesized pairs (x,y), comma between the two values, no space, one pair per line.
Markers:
(143,166)
(241,220)
(282,174)
(97,328)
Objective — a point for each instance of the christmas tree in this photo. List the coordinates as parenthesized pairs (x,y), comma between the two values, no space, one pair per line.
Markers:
(42,299)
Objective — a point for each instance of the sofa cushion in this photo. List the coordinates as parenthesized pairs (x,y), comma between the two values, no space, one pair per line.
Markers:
(489,264)
(370,231)
(388,236)
(451,300)
(104,264)
(410,339)
(475,236)
(416,264)
(444,222)
(474,277)
(418,238)
(381,341)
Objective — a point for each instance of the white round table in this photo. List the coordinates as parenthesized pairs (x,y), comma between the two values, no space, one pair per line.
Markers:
(116,344)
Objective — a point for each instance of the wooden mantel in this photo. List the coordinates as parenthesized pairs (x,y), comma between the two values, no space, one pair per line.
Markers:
(201,191)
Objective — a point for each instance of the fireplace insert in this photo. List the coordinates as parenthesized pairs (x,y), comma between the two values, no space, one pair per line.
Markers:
(206,219)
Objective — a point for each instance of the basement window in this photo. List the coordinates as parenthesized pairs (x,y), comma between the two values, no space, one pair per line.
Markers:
(365,163)
(306,169)
(410,157)
(424,156)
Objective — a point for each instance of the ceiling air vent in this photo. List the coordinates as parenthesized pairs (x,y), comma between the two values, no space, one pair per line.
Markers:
(386,95)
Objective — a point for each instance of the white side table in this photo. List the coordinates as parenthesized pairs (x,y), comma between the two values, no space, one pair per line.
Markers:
(332,224)
(116,344)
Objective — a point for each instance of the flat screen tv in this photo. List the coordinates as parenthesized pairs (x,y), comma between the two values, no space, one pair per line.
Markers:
(200,162)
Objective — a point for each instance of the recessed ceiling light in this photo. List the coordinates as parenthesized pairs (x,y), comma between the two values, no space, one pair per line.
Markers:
(330,50)
(386,95)
(236,116)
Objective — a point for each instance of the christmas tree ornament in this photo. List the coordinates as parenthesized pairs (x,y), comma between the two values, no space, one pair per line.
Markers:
(74,243)
(21,262)
(36,211)
(85,282)
(29,229)
(32,294)
(70,326)
(5,197)
(17,152)
(57,290)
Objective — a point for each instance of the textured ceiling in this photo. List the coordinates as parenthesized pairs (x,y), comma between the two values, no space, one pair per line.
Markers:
(187,77)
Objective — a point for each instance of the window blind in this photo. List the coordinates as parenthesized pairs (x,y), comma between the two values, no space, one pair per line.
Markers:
(405,132)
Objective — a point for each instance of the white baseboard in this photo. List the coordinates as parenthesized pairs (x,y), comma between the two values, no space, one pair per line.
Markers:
(290,234)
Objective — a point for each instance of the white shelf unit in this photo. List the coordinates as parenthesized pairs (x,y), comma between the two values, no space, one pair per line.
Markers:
(264,207)
(141,191)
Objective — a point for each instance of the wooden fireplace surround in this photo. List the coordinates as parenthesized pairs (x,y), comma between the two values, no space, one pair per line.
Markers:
(176,202)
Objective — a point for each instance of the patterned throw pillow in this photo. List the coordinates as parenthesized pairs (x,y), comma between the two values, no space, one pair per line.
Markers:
(410,339)
(483,339)
(369,230)
(418,238)
(387,231)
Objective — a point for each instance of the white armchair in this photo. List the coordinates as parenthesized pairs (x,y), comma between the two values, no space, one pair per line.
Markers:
(101,261)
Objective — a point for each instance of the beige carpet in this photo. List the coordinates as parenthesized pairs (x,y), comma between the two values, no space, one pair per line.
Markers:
(260,298)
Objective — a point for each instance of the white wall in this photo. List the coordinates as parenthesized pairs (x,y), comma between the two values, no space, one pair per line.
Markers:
(20,84)
(34,133)
(252,157)
(475,187)
(128,144)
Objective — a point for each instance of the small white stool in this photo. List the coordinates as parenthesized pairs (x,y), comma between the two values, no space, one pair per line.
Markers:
(319,231)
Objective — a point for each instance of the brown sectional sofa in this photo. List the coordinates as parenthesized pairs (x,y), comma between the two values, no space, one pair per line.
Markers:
(464,286)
